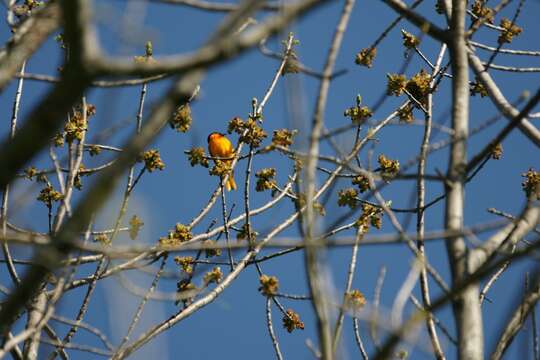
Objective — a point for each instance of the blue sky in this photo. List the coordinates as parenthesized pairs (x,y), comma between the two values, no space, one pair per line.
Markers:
(234,325)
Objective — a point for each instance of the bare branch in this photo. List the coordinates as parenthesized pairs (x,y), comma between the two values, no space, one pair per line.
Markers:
(5,193)
(458,288)
(315,272)
(348,286)
(359,339)
(421,22)
(517,320)
(505,51)
(29,36)
(424,285)
(466,306)
(140,308)
(47,116)
(216,6)
(273,337)
(496,96)
(218,50)
(508,236)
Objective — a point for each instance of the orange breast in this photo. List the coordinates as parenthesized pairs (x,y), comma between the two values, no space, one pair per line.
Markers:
(221,147)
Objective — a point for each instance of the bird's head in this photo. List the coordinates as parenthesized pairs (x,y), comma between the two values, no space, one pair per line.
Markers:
(215,136)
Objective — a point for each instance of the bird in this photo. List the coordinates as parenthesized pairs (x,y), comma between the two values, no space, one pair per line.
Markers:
(220,146)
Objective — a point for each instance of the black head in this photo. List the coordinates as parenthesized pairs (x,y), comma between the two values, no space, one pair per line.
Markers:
(213,134)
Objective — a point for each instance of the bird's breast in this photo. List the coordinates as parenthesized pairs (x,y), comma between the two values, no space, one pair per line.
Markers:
(218,149)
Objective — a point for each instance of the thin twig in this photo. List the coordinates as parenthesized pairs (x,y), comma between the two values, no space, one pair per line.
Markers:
(420,229)
(5,193)
(536,347)
(507,216)
(84,326)
(512,22)
(275,343)
(505,51)
(348,286)
(74,167)
(85,302)
(517,319)
(358,339)
(129,184)
(226,225)
(438,323)
(140,308)
(494,278)
(404,292)
(376,303)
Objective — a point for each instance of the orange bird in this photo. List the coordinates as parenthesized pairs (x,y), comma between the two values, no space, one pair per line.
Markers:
(220,146)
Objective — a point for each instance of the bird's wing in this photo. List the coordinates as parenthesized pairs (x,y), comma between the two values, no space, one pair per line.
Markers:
(229,148)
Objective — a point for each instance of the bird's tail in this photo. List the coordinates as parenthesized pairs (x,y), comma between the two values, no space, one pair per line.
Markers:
(231,184)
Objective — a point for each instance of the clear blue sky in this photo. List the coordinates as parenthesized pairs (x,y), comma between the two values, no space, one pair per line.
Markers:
(234,325)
